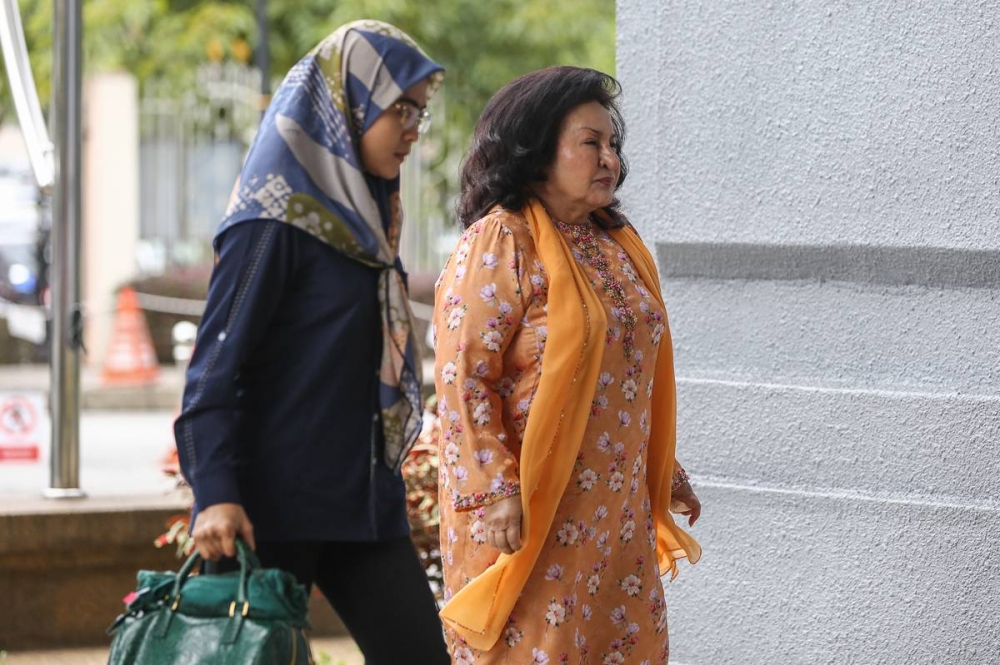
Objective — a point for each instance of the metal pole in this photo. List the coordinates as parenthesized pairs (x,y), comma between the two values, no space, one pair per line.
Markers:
(263,55)
(67,324)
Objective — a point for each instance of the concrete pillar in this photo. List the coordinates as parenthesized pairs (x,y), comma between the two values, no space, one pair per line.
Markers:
(110,200)
(821,182)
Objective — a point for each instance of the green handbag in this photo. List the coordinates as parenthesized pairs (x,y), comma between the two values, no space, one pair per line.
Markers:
(252,617)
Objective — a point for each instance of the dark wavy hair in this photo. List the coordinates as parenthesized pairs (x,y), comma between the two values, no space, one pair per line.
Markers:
(515,139)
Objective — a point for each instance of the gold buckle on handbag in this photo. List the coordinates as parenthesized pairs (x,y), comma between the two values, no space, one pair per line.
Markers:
(246,608)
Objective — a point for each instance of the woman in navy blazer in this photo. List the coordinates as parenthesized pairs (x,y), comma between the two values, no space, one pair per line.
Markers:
(303,394)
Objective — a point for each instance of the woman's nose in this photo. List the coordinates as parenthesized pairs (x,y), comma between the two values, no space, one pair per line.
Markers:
(609,158)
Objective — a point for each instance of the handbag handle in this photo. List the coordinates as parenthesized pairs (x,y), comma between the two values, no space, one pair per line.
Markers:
(248,561)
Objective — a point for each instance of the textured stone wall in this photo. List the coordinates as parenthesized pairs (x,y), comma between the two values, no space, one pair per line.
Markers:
(821,182)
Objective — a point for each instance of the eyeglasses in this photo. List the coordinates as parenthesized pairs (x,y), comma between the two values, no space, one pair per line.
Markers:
(412,116)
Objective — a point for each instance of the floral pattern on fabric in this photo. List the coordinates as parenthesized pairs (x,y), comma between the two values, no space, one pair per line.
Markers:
(595,594)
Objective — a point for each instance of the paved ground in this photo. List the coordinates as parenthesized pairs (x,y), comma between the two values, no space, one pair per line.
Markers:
(326,651)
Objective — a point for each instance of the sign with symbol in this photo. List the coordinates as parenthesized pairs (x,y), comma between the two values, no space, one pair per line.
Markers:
(20,417)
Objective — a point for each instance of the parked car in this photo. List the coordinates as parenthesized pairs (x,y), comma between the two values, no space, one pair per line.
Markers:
(24,236)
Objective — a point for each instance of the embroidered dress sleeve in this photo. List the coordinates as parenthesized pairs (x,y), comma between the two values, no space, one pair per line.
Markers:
(479,306)
(255,262)
(680,476)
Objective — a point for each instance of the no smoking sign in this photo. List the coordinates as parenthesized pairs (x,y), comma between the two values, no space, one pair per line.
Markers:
(20,416)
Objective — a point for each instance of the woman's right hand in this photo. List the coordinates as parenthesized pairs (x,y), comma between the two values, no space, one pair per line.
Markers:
(216,529)
(503,524)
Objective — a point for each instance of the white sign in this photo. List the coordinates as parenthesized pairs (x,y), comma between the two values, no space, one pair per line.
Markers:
(21,417)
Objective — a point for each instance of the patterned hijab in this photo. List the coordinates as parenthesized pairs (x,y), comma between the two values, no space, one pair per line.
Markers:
(304,168)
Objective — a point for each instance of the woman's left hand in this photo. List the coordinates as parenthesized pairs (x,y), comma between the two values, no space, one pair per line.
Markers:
(685,494)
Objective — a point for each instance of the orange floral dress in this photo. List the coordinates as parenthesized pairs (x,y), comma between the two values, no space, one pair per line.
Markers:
(595,595)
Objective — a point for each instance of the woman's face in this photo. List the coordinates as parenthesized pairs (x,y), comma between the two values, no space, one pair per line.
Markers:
(585,169)
(388,141)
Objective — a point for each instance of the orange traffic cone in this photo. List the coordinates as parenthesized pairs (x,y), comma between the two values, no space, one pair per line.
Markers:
(131,358)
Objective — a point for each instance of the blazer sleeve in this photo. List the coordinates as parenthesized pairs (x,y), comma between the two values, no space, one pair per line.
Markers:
(254,264)
(479,306)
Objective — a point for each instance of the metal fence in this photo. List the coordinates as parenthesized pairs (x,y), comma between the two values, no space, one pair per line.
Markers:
(191,150)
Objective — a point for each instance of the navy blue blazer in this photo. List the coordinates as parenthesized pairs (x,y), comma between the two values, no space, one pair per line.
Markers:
(280,410)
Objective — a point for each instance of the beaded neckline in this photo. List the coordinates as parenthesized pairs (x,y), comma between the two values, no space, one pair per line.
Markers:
(585,238)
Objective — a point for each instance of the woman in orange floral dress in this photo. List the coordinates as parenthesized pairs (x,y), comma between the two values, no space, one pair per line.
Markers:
(554,377)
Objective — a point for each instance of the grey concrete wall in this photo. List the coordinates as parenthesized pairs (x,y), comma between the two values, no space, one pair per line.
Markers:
(821,182)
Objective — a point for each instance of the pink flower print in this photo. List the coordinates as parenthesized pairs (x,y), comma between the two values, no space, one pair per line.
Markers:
(587,479)
(639,356)
(614,658)
(498,483)
(603,539)
(556,614)
(604,442)
(451,453)
(505,386)
(629,389)
(543,333)
(489,260)
(459,272)
(448,373)
(600,513)
(461,474)
(505,308)
(492,340)
(627,531)
(658,333)
(489,292)
(463,656)
(462,252)
(604,380)
(593,584)
(555,572)
(587,612)
(616,481)
(624,419)
(484,456)
(539,657)
(482,368)
(632,586)
(618,614)
(455,317)
(634,486)
(481,414)
(643,422)
(492,323)
(568,534)
(478,532)
(513,636)
(632,629)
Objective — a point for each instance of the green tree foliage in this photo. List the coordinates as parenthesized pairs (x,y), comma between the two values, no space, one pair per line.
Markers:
(482,44)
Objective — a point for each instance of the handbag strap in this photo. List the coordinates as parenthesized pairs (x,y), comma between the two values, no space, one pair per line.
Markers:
(238,608)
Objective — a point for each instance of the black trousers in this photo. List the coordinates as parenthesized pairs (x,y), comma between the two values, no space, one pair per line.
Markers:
(378,589)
